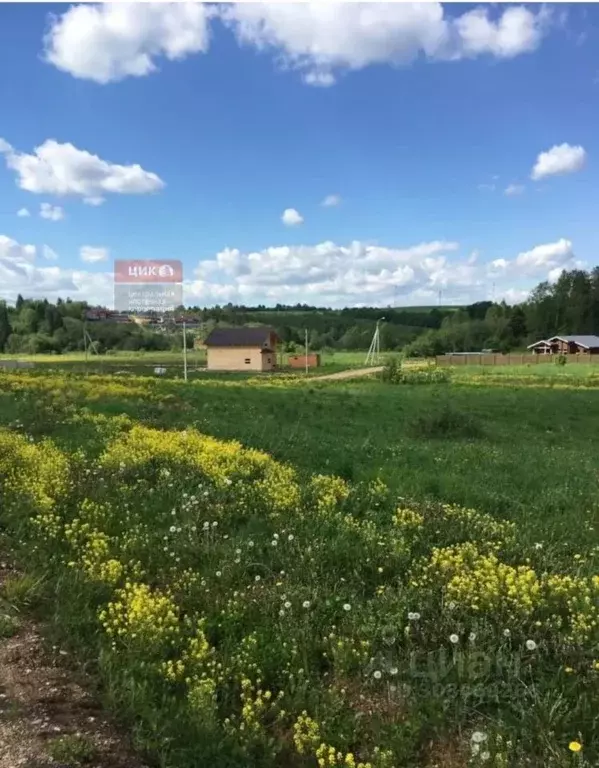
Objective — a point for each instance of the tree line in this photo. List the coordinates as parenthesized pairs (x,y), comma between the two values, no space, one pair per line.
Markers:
(569,305)
(38,326)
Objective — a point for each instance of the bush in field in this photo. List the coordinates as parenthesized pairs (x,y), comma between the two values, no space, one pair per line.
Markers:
(392,370)
(560,360)
(397,372)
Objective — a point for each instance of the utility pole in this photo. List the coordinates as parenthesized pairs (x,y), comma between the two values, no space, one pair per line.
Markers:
(306,345)
(85,340)
(374,352)
(184,352)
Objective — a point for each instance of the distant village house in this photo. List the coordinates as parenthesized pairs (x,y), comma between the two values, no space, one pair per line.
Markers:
(566,345)
(242,349)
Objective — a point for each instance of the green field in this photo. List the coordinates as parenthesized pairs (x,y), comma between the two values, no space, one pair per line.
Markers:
(143,363)
(305,587)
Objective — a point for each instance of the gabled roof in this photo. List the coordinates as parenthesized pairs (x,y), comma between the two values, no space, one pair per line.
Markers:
(582,341)
(588,342)
(538,344)
(257,336)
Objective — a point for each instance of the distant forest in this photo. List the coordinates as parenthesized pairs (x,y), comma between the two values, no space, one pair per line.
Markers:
(569,305)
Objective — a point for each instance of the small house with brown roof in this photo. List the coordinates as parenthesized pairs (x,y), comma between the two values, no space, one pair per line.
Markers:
(242,349)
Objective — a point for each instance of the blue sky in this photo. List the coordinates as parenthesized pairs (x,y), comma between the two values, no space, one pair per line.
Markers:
(204,124)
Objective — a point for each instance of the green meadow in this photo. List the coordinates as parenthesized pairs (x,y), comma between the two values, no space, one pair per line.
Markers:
(274,571)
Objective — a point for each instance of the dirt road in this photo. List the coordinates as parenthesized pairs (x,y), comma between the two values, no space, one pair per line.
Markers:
(354,373)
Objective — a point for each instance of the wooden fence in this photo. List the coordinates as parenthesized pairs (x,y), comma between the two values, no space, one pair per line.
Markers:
(510,359)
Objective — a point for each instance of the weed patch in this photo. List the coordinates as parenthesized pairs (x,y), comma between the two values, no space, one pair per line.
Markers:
(72,750)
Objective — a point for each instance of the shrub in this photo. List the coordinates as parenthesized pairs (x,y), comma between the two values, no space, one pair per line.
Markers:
(392,370)
(560,360)
(395,372)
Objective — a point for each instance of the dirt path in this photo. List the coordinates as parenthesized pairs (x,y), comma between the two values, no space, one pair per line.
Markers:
(47,717)
(354,373)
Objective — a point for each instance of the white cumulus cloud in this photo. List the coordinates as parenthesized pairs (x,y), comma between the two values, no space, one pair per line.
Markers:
(19,274)
(62,169)
(545,257)
(322,39)
(92,254)
(516,31)
(291,217)
(109,42)
(23,213)
(327,273)
(51,212)
(11,250)
(559,160)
